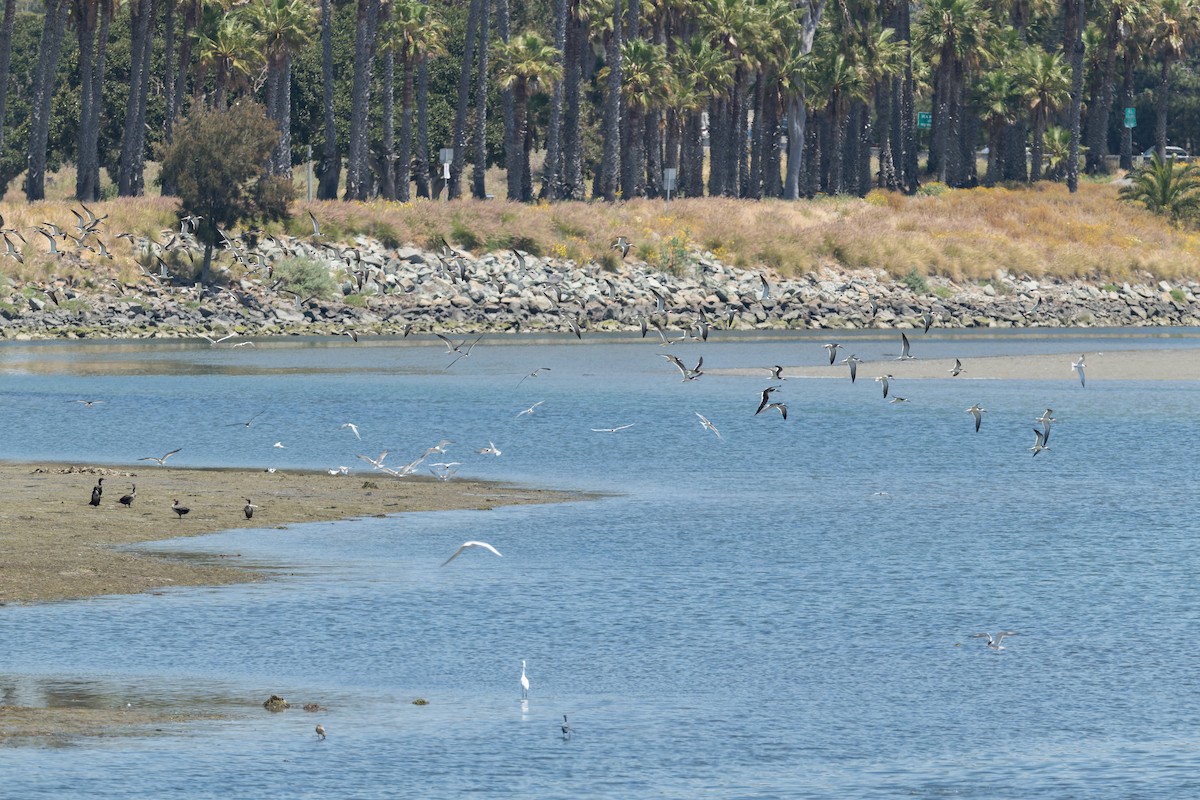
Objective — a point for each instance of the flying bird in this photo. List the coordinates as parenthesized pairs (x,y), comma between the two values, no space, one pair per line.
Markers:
(566,729)
(458,348)
(904,354)
(832,347)
(780,407)
(622,244)
(533,374)
(524,682)
(321,732)
(766,398)
(613,430)
(688,374)
(531,409)
(162,460)
(467,546)
(927,318)
(776,373)
(977,412)
(490,450)
(353,429)
(1046,419)
(1078,367)
(958,369)
(853,361)
(707,425)
(884,380)
(1039,443)
(90,403)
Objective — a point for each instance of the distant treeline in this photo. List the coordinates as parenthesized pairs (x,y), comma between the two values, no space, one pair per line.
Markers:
(739,98)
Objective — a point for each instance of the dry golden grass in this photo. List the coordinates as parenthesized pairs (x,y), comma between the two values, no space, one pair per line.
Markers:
(1041,231)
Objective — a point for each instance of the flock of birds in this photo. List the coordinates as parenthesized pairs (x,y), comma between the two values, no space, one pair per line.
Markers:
(89,225)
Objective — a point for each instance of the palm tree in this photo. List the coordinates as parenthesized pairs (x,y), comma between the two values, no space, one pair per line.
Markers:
(331,160)
(454,190)
(552,165)
(611,130)
(92,19)
(232,50)
(285,26)
(997,97)
(1121,15)
(357,167)
(645,75)
(479,134)
(810,17)
(413,34)
(702,72)
(1045,86)
(1175,28)
(54,24)
(882,57)
(526,62)
(1074,16)
(1165,187)
(953,34)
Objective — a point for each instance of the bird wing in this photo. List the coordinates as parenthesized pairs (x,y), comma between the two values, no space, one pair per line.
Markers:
(903,346)
(678,364)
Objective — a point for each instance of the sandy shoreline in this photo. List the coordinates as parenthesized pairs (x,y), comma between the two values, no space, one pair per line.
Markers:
(1122,365)
(54,546)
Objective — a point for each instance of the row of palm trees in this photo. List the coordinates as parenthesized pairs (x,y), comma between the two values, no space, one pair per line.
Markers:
(743,98)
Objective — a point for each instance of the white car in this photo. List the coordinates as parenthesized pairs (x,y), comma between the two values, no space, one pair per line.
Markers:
(1172,152)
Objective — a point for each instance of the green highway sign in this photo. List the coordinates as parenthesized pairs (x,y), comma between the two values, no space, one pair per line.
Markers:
(1131,118)
(925,119)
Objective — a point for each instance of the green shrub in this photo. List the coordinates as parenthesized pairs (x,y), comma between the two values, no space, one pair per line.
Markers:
(915,282)
(306,277)
(463,236)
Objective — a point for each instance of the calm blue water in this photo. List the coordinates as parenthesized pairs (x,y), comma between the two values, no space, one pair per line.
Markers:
(782,612)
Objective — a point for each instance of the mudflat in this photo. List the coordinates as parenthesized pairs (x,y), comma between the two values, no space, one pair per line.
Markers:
(55,546)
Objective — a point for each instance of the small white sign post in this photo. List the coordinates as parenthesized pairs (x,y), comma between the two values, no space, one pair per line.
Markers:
(669,184)
(446,155)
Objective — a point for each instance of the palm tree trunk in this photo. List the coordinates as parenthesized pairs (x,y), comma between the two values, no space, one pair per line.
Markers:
(6,35)
(53,27)
(773,183)
(285,117)
(550,169)
(1075,14)
(137,162)
(797,119)
(357,167)
(633,165)
(479,171)
(1039,148)
(1098,116)
(1127,102)
(507,103)
(754,183)
(421,159)
(570,176)
(464,95)
(611,132)
(140,23)
(404,158)
(331,159)
(515,147)
(1161,93)
(652,129)
(86,23)
(389,123)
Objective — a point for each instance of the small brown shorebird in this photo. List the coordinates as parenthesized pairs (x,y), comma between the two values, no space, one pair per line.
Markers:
(178,509)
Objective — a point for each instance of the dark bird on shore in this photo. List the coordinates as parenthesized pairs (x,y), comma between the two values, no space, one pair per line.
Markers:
(249,509)
(766,398)
(161,461)
(127,499)
(97,490)
(178,509)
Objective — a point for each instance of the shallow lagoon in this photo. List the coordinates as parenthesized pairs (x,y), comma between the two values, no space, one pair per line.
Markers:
(782,612)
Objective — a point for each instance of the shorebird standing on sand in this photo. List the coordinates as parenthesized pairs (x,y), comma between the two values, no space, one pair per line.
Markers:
(249,509)
(97,490)
(127,499)
(178,509)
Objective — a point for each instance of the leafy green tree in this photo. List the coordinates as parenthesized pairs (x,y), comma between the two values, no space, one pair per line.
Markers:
(1046,87)
(218,160)
(1165,187)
